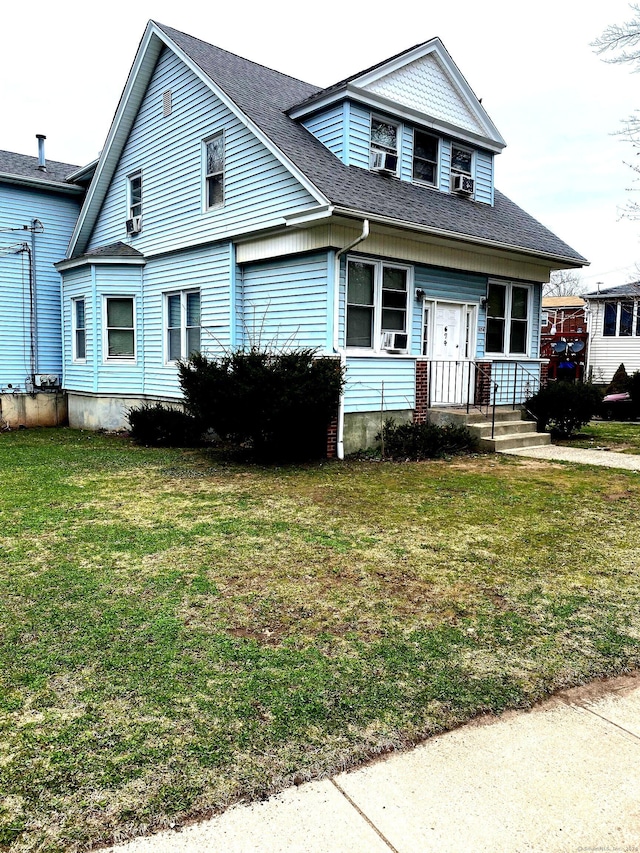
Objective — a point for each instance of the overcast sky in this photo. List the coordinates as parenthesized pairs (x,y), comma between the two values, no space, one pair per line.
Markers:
(63,66)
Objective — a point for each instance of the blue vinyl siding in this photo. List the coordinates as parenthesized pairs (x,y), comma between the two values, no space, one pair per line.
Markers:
(364,388)
(258,189)
(328,127)
(359,136)
(117,377)
(208,270)
(285,303)
(484,177)
(79,283)
(445,165)
(536,310)
(19,206)
(406,154)
(516,380)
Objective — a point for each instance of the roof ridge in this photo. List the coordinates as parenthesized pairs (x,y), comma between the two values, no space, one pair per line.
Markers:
(168,30)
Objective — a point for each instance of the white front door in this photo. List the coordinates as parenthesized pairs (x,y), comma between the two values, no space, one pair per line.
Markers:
(451,370)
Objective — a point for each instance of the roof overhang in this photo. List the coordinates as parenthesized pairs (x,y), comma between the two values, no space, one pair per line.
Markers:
(100,260)
(554,261)
(40,184)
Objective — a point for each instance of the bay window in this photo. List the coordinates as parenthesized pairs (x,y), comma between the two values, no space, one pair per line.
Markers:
(119,328)
(377,306)
(78,320)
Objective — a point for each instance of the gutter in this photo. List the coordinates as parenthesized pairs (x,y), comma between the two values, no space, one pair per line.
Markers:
(38,183)
(336,321)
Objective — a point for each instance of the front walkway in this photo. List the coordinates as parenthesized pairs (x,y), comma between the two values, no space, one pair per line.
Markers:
(562,777)
(604,458)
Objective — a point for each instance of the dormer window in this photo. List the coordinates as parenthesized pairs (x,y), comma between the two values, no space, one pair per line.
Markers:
(461,161)
(425,158)
(384,146)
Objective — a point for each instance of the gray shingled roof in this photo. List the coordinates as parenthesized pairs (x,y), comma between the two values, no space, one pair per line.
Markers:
(115,250)
(631,289)
(265,95)
(23,166)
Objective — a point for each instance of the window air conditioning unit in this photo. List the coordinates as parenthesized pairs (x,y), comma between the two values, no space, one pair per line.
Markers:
(46,380)
(394,341)
(463,184)
(385,162)
(134,225)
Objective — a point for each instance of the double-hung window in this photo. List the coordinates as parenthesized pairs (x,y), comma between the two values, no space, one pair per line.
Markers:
(214,171)
(183,324)
(119,328)
(425,158)
(377,306)
(135,195)
(384,145)
(78,322)
(461,161)
(508,315)
(619,319)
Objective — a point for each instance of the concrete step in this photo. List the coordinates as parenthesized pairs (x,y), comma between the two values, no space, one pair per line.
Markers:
(483,430)
(508,442)
(442,415)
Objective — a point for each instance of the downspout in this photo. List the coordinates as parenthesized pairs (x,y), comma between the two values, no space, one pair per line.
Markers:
(34,303)
(336,327)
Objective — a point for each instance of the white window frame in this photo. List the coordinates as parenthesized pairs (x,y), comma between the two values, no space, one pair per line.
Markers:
(183,294)
(391,123)
(206,175)
(379,267)
(507,320)
(130,203)
(118,359)
(75,329)
(436,183)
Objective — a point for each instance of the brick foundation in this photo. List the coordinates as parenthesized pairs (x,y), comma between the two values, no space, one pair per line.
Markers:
(544,375)
(483,384)
(420,413)
(332,438)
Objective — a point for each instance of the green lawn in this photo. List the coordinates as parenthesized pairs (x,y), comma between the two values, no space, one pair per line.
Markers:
(619,436)
(178,633)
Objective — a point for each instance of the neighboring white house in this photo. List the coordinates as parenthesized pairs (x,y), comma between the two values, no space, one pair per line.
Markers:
(613,317)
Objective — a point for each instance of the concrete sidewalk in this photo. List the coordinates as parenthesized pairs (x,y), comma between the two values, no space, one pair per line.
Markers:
(562,777)
(605,458)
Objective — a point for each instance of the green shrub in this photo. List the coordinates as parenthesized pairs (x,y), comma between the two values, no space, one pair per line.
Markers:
(278,405)
(424,441)
(163,426)
(564,407)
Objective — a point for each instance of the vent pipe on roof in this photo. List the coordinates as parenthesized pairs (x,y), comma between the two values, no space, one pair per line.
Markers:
(42,163)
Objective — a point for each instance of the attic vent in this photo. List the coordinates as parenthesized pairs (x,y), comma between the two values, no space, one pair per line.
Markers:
(166,103)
